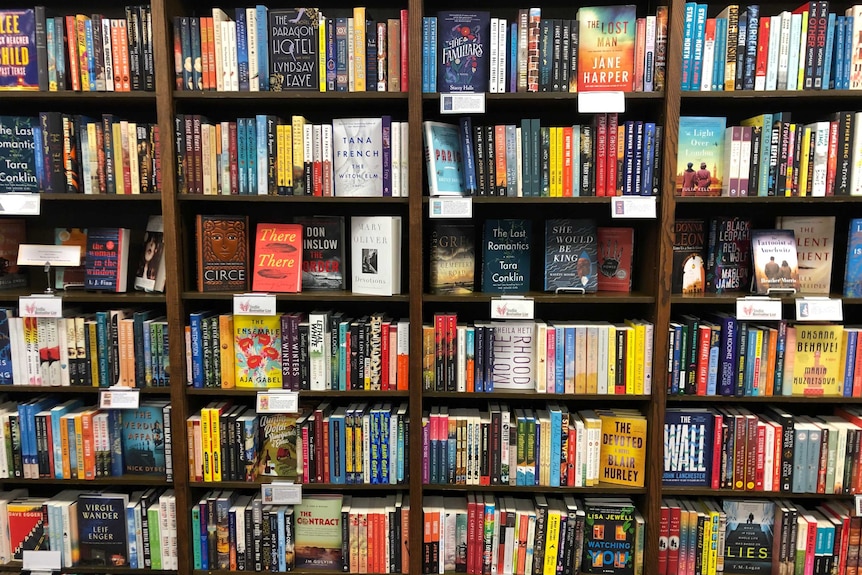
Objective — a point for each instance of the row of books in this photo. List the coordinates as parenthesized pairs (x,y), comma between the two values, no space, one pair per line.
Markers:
(258,49)
(321,350)
(774,451)
(537,356)
(536,54)
(550,446)
(484,533)
(115,347)
(265,155)
(78,52)
(76,154)
(724,356)
(93,529)
(603,158)
(769,155)
(359,443)
(44,438)
(328,532)
(755,535)
(506,254)
(809,48)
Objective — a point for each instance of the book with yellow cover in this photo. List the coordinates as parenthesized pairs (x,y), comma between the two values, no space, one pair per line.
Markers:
(817,362)
(257,343)
(226,351)
(606,48)
(623,448)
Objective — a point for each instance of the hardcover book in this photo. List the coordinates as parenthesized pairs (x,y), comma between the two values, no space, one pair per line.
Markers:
(818,359)
(728,263)
(278,258)
(623,448)
(151,267)
(27,522)
(748,536)
(852,267)
(257,343)
(464,42)
(606,48)
(358,157)
(774,260)
(689,267)
(570,255)
(815,236)
(222,253)
(19,67)
(514,361)
(452,259)
(688,440)
(102,534)
(18,171)
(143,439)
(278,456)
(107,259)
(616,252)
(322,252)
(444,161)
(375,255)
(318,532)
(293,49)
(72,276)
(609,527)
(506,256)
(700,156)
(13,233)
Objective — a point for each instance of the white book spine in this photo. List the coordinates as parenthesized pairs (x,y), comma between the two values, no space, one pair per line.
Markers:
(224,32)
(856,154)
(519,168)
(708,64)
(744,161)
(795,51)
(316,344)
(382,81)
(317,151)
(308,148)
(769,456)
(106,50)
(783,49)
(351,78)
(395,139)
(649,54)
(501,55)
(602,386)
(326,158)
(820,159)
(219,17)
(234,64)
(251,34)
(772,58)
(224,172)
(205,154)
(405,155)
(493,60)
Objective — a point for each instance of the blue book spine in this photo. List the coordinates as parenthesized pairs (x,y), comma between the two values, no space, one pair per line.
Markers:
(282,560)
(727,355)
(26,430)
(195,325)
(646,183)
(7,375)
(204,537)
(261,185)
(251,154)
(401,447)
(697,46)
(513,57)
(677,359)
(330,54)
(813,460)
(131,529)
(432,78)
(386,445)
(466,125)
(830,42)
(850,362)
(687,42)
(55,433)
(765,145)
(341,51)
(628,158)
(753,12)
(39,163)
(556,443)
(102,340)
(848,51)
(374,460)
(451,458)
(91,55)
(490,338)
(73,450)
(712,371)
(639,157)
(115,434)
(426,54)
(838,59)
(196,541)
(560,360)
(720,54)
(263,47)
(751,352)
(569,357)
(242,49)
(479,379)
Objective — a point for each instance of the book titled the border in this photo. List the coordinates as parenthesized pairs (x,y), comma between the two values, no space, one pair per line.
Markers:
(774,260)
(463,56)
(606,48)
(19,67)
(444,161)
(322,252)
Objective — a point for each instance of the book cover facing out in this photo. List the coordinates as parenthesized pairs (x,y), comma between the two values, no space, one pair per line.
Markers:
(19,68)
(318,532)
(689,266)
(729,255)
(13,233)
(688,447)
(700,156)
(506,256)
(606,48)
(570,255)
(293,46)
(819,356)
(144,440)
(278,258)
(357,146)
(322,252)
(814,241)
(444,161)
(616,251)
(18,148)
(222,253)
(748,536)
(257,344)
(102,529)
(452,258)
(774,260)
(278,452)
(463,51)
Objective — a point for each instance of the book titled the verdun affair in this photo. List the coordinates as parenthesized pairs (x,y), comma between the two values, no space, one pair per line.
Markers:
(606,48)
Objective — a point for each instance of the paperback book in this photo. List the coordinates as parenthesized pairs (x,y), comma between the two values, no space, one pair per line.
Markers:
(700,157)
(774,261)
(107,259)
(570,255)
(151,267)
(318,532)
(452,259)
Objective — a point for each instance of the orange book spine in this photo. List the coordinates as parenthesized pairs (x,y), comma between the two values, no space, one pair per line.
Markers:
(500,158)
(88,442)
(205,53)
(125,72)
(72,47)
(611,155)
(567,162)
(601,153)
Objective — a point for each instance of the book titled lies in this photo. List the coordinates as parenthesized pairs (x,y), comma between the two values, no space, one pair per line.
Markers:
(278,258)
(506,256)
(106,259)
(570,255)
(375,255)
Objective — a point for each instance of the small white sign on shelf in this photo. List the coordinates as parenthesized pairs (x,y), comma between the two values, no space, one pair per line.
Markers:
(277,401)
(39,255)
(281,493)
(633,207)
(450,207)
(758,308)
(819,309)
(857,500)
(601,102)
(254,304)
(20,204)
(41,561)
(462,103)
(513,307)
(119,397)
(37,305)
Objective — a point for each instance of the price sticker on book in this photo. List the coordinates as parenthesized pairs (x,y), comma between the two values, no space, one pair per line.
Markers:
(601,102)
(41,561)
(819,309)
(512,308)
(462,103)
(758,308)
(20,204)
(460,208)
(119,397)
(277,401)
(41,306)
(281,493)
(633,207)
(254,304)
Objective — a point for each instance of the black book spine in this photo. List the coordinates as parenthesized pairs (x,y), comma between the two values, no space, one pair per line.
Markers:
(491,159)
(481,167)
(133,31)
(556,68)
(42,48)
(304,379)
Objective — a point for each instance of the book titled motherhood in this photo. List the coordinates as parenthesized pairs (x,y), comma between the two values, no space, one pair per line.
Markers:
(358,156)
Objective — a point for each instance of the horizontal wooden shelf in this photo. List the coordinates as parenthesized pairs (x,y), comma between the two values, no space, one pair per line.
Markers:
(75,296)
(70,96)
(712,299)
(762,399)
(76,389)
(768,199)
(600,490)
(193,95)
(123,481)
(706,492)
(803,95)
(16,567)
(514,394)
(527,97)
(101,197)
(295,572)
(597,298)
(322,295)
(217,391)
(310,486)
(532,200)
(286,199)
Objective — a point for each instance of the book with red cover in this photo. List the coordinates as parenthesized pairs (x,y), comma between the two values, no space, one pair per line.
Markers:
(616,247)
(278,258)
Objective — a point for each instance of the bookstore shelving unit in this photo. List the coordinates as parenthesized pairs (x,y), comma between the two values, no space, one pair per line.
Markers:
(650,299)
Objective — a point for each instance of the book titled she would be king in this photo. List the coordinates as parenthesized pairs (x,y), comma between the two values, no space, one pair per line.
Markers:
(570,255)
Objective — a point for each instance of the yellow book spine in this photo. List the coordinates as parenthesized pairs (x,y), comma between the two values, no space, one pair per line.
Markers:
(279,155)
(298,124)
(215,439)
(561,161)
(800,73)
(552,168)
(592,359)
(117,136)
(226,352)
(286,149)
(348,442)
(81,27)
(708,562)
(713,542)
(206,443)
(321,52)
(359,49)
(94,354)
(64,446)
(630,361)
(805,162)
(612,359)
(639,331)
(581,359)
(552,543)
(79,446)
(758,357)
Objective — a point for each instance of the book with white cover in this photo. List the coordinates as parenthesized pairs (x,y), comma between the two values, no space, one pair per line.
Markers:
(375,255)
(357,146)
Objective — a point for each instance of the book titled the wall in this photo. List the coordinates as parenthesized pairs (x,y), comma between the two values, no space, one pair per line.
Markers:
(278,258)
(222,253)
(375,255)
(106,260)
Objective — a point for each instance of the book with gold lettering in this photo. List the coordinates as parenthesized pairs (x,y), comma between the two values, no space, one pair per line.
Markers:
(278,258)
(606,48)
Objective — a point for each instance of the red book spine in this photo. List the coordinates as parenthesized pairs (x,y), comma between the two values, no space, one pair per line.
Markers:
(305,472)
(72,46)
(776,459)
(440,352)
(125,71)
(348,349)
(116,48)
(232,150)
(404,50)
(611,181)
(832,158)
(703,335)
(451,349)
(570,456)
(762,52)
(673,552)
(761,455)
(567,162)
(601,152)
(326,476)
(384,356)
(664,535)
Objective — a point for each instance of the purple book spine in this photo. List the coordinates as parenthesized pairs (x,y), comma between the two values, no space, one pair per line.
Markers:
(387,156)
(426,452)
(727,356)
